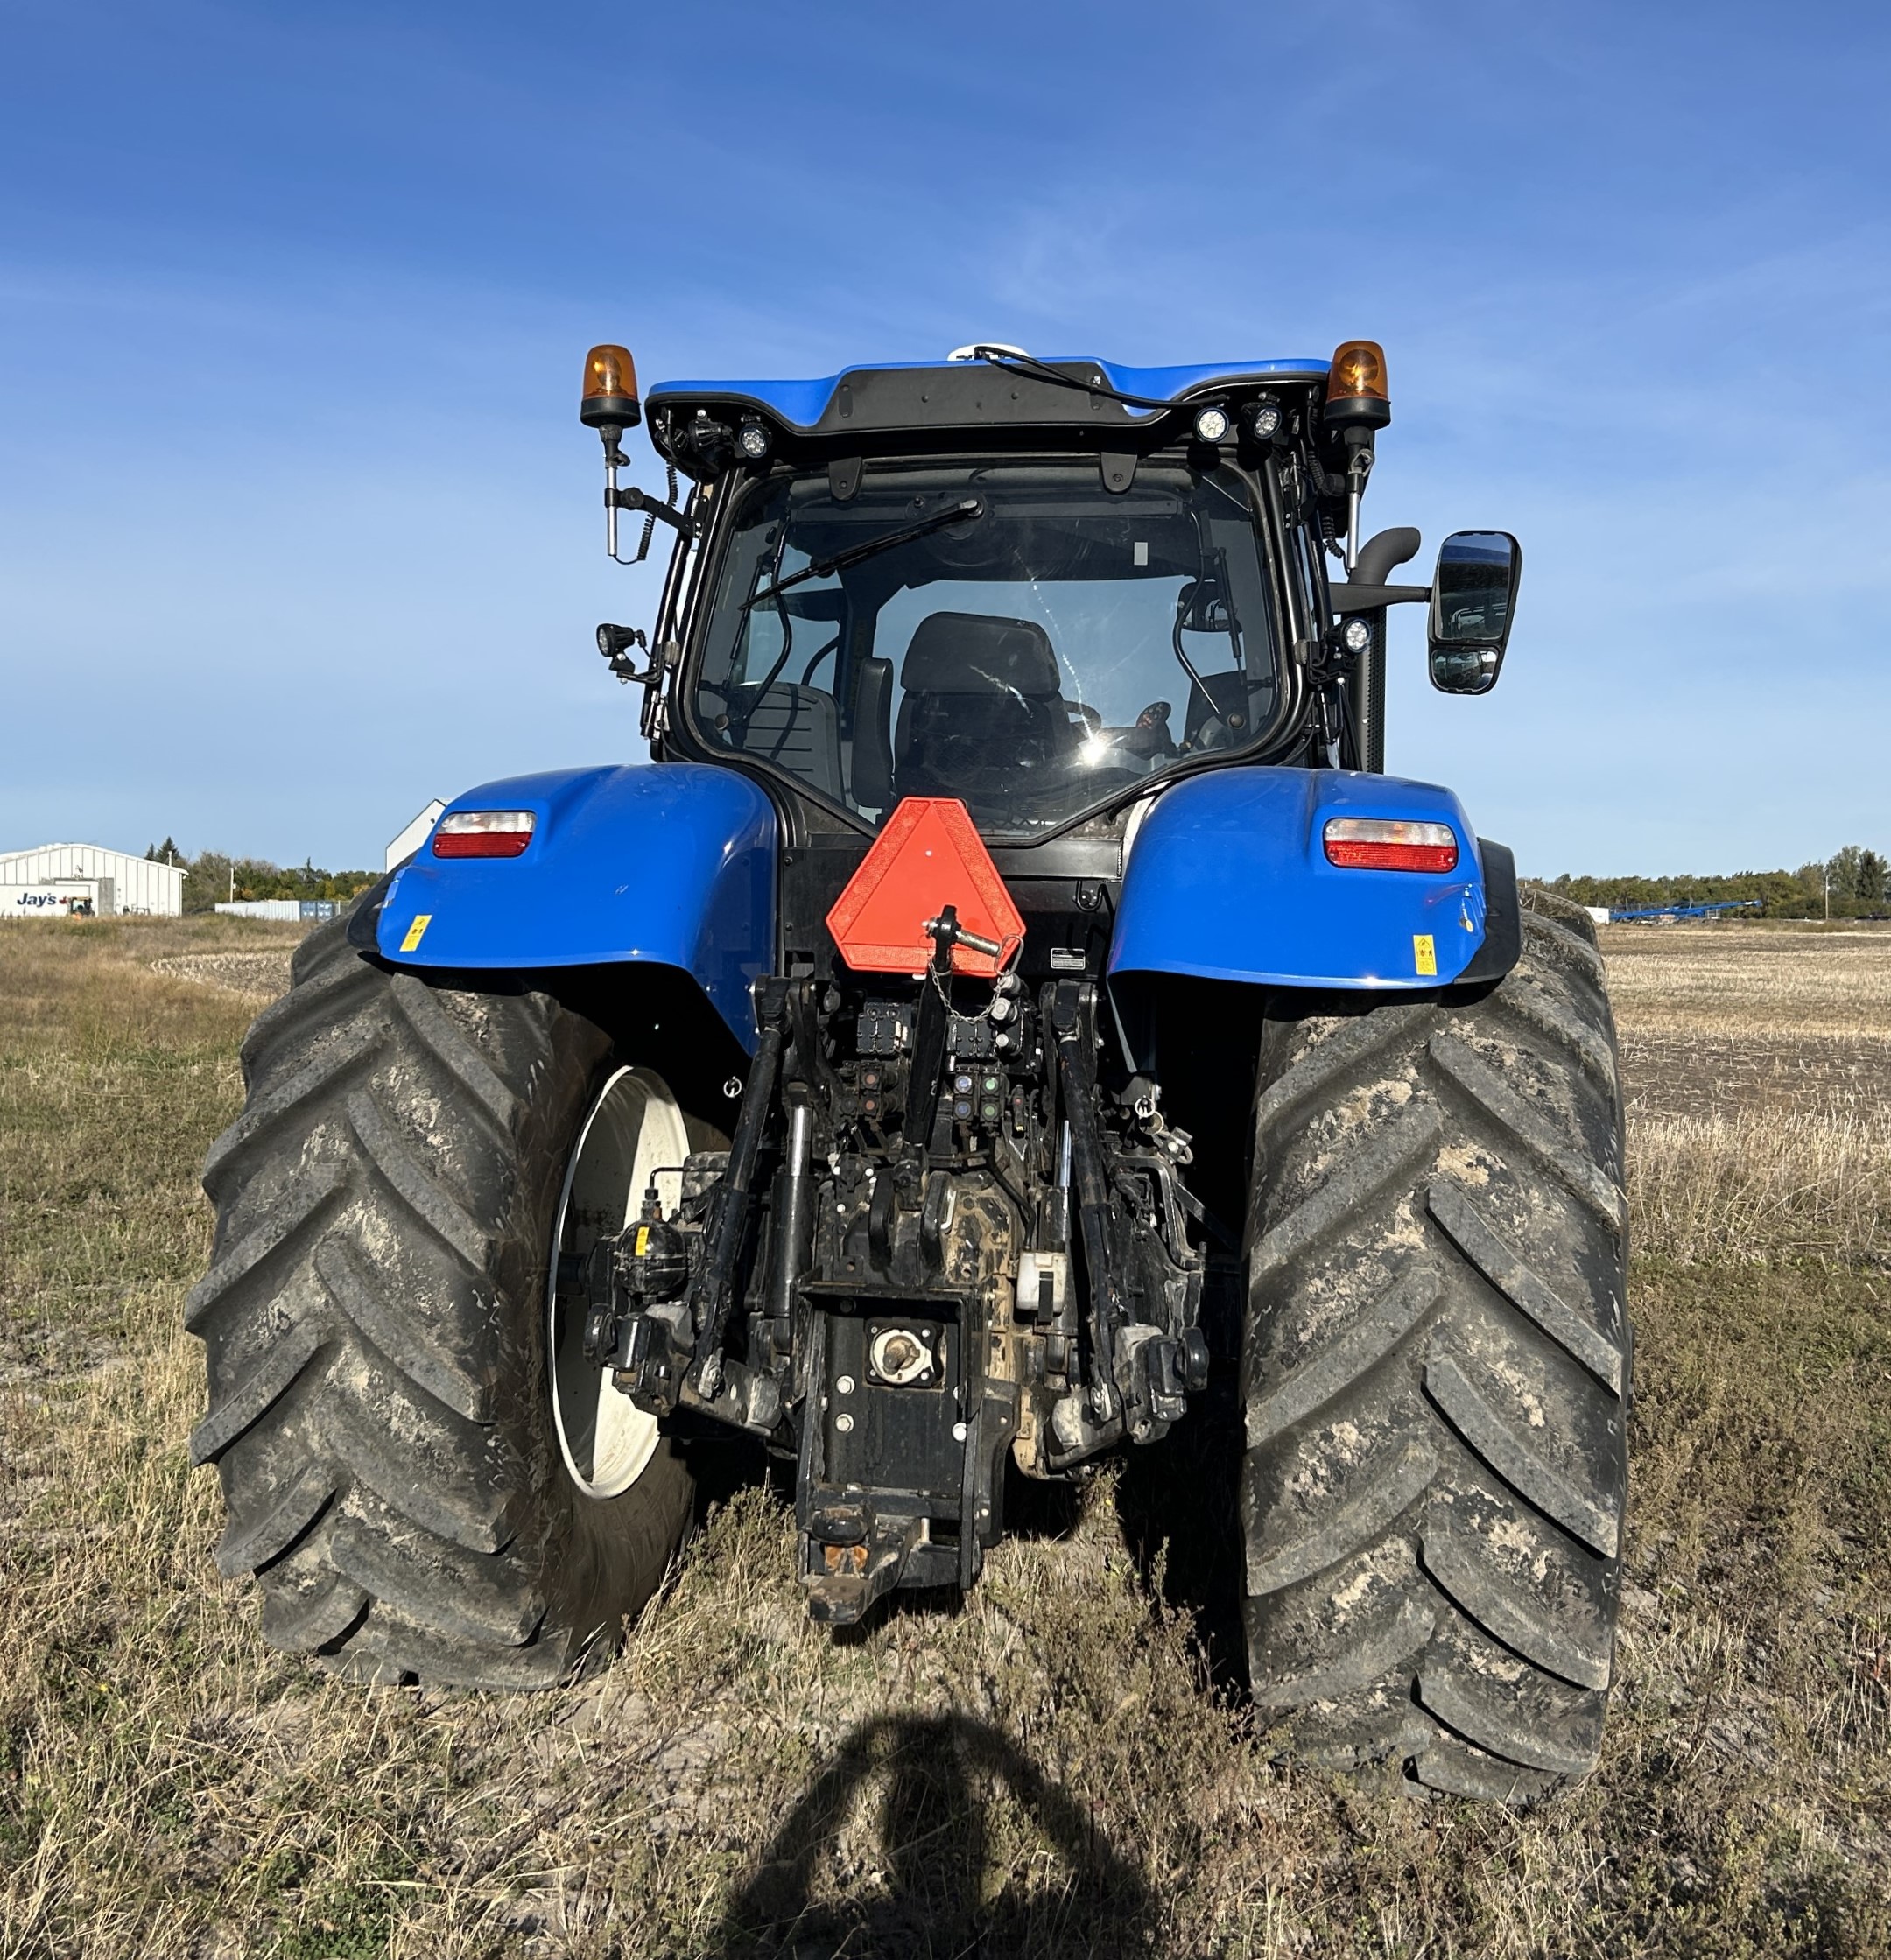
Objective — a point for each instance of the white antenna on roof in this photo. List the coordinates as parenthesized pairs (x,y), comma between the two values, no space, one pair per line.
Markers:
(978,348)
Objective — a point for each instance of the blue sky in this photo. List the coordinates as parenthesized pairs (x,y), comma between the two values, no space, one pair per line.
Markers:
(298,527)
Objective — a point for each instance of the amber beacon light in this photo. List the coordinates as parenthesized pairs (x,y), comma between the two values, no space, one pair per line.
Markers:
(1357,408)
(609,404)
(1356,386)
(610,396)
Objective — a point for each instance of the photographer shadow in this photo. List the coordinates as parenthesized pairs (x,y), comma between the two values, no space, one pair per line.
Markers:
(925,1891)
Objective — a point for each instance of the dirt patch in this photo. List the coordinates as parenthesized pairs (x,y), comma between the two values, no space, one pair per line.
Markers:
(263,974)
(1729,1021)
(1675,1074)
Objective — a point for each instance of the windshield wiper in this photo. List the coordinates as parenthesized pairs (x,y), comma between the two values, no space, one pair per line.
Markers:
(967,508)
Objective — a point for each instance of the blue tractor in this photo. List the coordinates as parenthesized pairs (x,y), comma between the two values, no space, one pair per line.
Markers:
(1011,1016)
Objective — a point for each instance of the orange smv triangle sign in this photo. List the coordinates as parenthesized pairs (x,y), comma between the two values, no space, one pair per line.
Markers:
(928,854)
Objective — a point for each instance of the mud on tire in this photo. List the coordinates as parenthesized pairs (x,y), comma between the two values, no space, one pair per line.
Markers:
(1434,1373)
(373,1322)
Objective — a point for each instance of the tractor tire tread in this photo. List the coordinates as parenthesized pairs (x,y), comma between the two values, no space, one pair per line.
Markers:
(1496,1732)
(302,1624)
(257,1391)
(1385,1159)
(1502,1267)
(1497,1100)
(1304,1388)
(1358,1520)
(1352,1046)
(1500,1446)
(1375,1653)
(1433,1376)
(372,1318)
(248,1546)
(1452,1769)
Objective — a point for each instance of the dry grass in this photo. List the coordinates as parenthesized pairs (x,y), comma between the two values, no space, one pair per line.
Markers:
(1052,1769)
(1758,1068)
(1764,1184)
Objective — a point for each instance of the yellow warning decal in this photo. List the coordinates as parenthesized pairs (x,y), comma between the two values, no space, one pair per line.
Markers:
(642,1240)
(416,931)
(1423,952)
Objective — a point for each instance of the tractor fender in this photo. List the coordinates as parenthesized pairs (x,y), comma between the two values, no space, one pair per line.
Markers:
(1229,880)
(669,864)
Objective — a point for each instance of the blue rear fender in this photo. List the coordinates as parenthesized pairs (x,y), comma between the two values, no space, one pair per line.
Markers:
(1227,879)
(669,864)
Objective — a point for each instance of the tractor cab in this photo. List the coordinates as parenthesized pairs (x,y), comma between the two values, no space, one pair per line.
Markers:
(1044,588)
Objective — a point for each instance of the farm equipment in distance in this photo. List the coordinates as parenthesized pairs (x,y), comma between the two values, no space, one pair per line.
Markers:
(1012,1014)
(1668,914)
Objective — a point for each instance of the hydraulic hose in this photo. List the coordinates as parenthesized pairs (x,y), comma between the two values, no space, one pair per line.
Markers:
(716,1291)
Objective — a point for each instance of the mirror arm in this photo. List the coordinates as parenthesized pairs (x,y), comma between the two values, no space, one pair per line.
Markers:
(1359,454)
(1356,598)
(1382,553)
(634,499)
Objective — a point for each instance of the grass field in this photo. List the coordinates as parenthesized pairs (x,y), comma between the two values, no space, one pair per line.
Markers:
(1061,1766)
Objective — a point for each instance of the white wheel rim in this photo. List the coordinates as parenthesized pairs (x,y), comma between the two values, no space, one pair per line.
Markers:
(634,1131)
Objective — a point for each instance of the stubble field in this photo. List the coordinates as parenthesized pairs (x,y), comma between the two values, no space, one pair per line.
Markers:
(1060,1767)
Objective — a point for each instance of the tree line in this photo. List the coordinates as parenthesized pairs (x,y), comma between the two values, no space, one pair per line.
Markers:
(1855,880)
(213,877)
(1852,883)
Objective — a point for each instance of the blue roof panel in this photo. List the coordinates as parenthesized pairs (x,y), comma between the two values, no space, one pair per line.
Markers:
(800,404)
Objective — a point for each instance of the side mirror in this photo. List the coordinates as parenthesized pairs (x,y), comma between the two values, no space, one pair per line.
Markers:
(1474,596)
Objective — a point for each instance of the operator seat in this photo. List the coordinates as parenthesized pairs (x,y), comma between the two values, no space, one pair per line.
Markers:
(1226,709)
(982,708)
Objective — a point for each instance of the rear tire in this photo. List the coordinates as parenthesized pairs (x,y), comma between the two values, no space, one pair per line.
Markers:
(375,1323)
(1434,1374)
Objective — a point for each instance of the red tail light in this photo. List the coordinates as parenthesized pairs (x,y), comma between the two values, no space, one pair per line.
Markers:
(1384,843)
(483,833)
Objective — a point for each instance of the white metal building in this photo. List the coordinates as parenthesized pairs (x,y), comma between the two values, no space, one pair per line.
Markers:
(135,884)
(287,908)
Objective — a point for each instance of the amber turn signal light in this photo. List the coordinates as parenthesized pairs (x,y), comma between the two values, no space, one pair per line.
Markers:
(1356,386)
(610,395)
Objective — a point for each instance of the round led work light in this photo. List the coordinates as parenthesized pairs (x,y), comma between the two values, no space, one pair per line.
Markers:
(610,392)
(1212,425)
(1264,419)
(753,441)
(1355,635)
